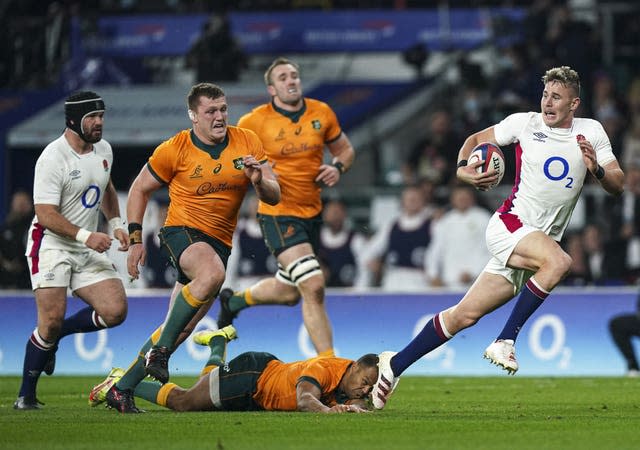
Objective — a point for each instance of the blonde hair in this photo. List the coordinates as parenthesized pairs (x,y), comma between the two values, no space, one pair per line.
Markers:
(564,75)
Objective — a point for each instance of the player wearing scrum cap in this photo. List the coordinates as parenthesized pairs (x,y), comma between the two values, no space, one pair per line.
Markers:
(72,184)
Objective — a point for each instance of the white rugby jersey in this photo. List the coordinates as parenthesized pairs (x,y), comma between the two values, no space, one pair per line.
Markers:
(550,171)
(76,183)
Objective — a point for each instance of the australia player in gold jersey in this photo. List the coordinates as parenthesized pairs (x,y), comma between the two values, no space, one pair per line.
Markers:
(294,131)
(208,170)
(260,381)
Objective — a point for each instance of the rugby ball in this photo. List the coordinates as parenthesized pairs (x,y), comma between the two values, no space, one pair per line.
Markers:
(493,160)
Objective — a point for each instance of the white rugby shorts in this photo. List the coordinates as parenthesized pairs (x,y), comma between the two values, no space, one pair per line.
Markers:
(502,235)
(63,268)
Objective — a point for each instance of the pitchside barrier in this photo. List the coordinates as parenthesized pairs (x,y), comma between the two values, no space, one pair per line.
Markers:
(567,336)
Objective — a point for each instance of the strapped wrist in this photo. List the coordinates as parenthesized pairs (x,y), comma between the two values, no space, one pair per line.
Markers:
(599,173)
(338,165)
(135,233)
(133,226)
(462,163)
(135,237)
(116,223)
(82,236)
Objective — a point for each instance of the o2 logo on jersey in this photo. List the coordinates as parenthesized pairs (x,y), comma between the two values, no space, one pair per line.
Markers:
(556,168)
(91,196)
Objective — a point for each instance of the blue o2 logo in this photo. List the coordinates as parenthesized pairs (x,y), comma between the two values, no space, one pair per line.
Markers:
(91,196)
(558,175)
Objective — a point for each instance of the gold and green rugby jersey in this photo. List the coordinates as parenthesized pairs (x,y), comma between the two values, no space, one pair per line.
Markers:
(294,143)
(206,182)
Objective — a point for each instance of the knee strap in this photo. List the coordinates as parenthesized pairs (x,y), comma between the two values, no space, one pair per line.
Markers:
(299,270)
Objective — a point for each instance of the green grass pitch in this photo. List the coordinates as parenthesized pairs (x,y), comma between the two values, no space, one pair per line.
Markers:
(425,413)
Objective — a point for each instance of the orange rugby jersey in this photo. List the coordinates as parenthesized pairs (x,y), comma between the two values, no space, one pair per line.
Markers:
(206,188)
(276,388)
(295,147)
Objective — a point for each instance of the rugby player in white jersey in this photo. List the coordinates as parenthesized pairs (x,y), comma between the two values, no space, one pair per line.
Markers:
(555,152)
(72,184)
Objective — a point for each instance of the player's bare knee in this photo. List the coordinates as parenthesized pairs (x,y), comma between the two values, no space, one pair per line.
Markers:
(567,261)
(561,263)
(114,316)
(288,294)
(305,274)
(115,319)
(207,287)
(313,289)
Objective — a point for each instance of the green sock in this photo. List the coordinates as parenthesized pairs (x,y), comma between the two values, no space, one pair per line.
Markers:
(237,302)
(148,390)
(218,346)
(135,374)
(179,316)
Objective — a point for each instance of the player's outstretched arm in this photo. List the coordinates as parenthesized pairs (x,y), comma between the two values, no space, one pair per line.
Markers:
(308,396)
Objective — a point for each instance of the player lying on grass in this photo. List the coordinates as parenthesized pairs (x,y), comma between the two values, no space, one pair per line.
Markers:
(258,381)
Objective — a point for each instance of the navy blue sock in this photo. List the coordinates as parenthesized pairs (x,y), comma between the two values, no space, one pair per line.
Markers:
(35,357)
(530,299)
(432,336)
(84,321)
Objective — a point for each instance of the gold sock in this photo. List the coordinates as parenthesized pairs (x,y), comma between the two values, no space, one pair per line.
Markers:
(163,393)
(190,299)
(327,354)
(248,298)
(207,369)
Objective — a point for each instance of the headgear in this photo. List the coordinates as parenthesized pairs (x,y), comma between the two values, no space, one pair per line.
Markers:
(80,105)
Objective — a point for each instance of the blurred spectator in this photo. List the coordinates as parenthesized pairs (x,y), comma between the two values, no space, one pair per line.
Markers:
(215,55)
(13,241)
(458,252)
(157,271)
(571,42)
(579,272)
(631,143)
(516,85)
(340,248)
(476,113)
(623,219)
(250,259)
(416,56)
(433,157)
(395,254)
(56,40)
(622,328)
(633,96)
(605,259)
(608,108)
(631,135)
